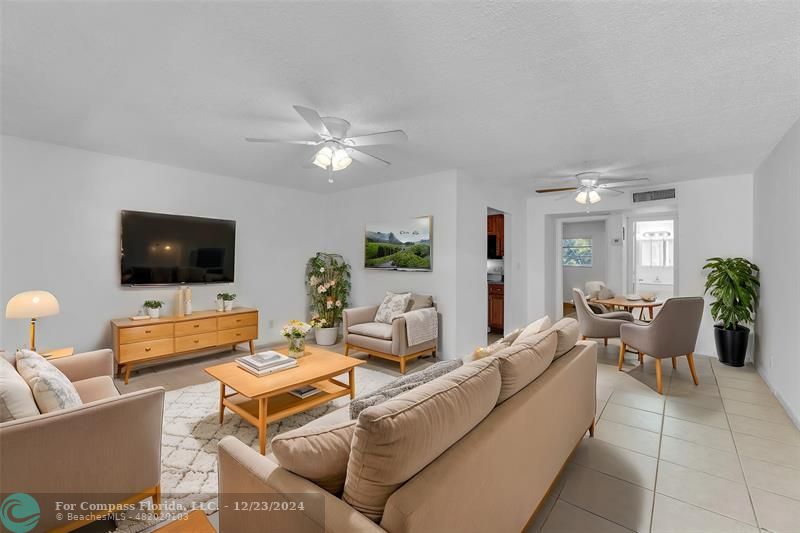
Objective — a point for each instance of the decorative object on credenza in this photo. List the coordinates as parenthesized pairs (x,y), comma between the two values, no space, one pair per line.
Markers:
(179,302)
(400,245)
(32,305)
(295,332)
(153,307)
(227,301)
(733,283)
(328,283)
(220,303)
(187,300)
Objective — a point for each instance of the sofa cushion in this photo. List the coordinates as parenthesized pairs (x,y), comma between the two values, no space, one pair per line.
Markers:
(50,387)
(567,331)
(318,454)
(16,399)
(377,330)
(419,301)
(532,329)
(522,362)
(393,305)
(96,388)
(398,438)
(11,357)
(401,385)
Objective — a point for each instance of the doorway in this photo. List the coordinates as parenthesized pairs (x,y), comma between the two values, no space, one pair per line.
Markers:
(495,273)
(652,256)
(583,258)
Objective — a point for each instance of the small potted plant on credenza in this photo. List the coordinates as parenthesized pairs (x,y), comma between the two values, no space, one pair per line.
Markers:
(153,308)
(225,301)
(733,283)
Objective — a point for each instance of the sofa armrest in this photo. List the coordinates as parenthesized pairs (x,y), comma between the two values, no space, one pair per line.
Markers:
(86,365)
(246,475)
(98,450)
(636,336)
(358,315)
(399,336)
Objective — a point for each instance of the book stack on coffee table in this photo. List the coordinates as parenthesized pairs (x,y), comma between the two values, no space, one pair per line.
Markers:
(265,363)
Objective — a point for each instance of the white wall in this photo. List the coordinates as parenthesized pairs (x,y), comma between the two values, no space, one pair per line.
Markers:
(776,226)
(577,276)
(349,211)
(458,205)
(60,232)
(715,217)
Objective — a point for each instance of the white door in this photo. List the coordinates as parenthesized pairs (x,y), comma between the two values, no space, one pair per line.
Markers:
(652,257)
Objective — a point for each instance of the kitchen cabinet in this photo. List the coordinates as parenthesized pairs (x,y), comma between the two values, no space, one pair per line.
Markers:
(496,302)
(495,226)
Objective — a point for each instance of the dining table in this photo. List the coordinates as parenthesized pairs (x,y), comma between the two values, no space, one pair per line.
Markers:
(620,302)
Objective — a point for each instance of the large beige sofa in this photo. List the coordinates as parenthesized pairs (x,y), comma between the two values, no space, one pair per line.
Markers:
(492,477)
(106,451)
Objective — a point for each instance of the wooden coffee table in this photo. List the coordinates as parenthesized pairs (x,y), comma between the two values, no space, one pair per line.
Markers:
(265,399)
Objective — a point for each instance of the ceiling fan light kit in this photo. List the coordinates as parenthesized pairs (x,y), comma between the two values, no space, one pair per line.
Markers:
(590,183)
(338,150)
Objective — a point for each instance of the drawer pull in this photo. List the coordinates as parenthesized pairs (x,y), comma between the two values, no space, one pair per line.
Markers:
(238,320)
(197,325)
(147,331)
(147,349)
(238,334)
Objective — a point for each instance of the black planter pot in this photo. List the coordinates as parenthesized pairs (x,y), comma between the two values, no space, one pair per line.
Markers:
(731,345)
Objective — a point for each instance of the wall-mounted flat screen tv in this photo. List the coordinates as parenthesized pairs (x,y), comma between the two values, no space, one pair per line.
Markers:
(160,249)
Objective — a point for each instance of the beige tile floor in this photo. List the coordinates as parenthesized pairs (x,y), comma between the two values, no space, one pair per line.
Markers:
(720,457)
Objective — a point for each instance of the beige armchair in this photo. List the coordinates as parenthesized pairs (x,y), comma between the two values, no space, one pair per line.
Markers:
(594,326)
(672,333)
(387,341)
(106,451)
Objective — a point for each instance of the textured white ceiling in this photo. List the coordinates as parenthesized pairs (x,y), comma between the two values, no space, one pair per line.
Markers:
(507,92)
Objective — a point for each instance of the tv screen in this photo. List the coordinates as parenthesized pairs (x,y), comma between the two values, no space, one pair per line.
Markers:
(159,249)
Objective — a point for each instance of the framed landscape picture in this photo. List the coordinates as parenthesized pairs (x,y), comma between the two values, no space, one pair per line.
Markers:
(400,245)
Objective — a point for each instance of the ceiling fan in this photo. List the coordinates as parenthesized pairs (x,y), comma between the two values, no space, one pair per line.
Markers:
(337,150)
(590,184)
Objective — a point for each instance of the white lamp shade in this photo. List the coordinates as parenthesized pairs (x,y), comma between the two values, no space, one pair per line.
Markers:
(32,304)
(594,197)
(581,197)
(323,157)
(341,159)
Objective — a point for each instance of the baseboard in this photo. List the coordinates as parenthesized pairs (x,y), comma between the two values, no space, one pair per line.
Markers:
(794,417)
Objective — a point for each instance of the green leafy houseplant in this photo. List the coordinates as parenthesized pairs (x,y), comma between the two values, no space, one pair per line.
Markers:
(153,304)
(226,297)
(328,283)
(733,283)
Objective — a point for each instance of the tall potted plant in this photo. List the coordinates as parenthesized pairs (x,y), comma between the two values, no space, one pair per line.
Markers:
(733,283)
(328,283)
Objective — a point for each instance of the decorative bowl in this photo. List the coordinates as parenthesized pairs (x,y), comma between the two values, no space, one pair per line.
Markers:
(648,296)
(633,297)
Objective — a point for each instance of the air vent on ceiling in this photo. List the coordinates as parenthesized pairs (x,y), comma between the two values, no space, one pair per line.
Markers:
(650,196)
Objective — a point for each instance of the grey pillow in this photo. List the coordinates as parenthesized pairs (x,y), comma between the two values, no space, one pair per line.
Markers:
(401,385)
(419,301)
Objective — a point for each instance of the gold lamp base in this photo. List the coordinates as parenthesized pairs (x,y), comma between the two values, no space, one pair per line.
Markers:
(33,335)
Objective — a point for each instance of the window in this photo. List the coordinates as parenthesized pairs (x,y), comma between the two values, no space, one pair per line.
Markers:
(576,252)
(656,251)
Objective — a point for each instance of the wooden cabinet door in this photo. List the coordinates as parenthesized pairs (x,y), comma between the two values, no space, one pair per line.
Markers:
(501,236)
(496,311)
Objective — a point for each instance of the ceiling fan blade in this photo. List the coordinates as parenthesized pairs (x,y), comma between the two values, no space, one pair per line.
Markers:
(619,183)
(367,159)
(558,189)
(384,137)
(313,119)
(615,191)
(285,141)
(611,179)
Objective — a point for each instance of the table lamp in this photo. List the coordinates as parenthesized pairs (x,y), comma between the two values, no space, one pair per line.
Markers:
(32,305)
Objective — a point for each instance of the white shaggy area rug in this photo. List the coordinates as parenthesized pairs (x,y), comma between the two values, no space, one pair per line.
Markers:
(192,431)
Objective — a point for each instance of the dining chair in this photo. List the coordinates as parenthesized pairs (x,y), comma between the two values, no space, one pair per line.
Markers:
(598,326)
(672,333)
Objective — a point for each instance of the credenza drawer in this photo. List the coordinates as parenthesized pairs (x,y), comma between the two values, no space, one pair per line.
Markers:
(233,336)
(193,327)
(195,342)
(143,333)
(237,321)
(145,350)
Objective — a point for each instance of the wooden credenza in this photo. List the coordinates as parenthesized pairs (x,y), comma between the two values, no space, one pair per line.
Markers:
(139,341)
